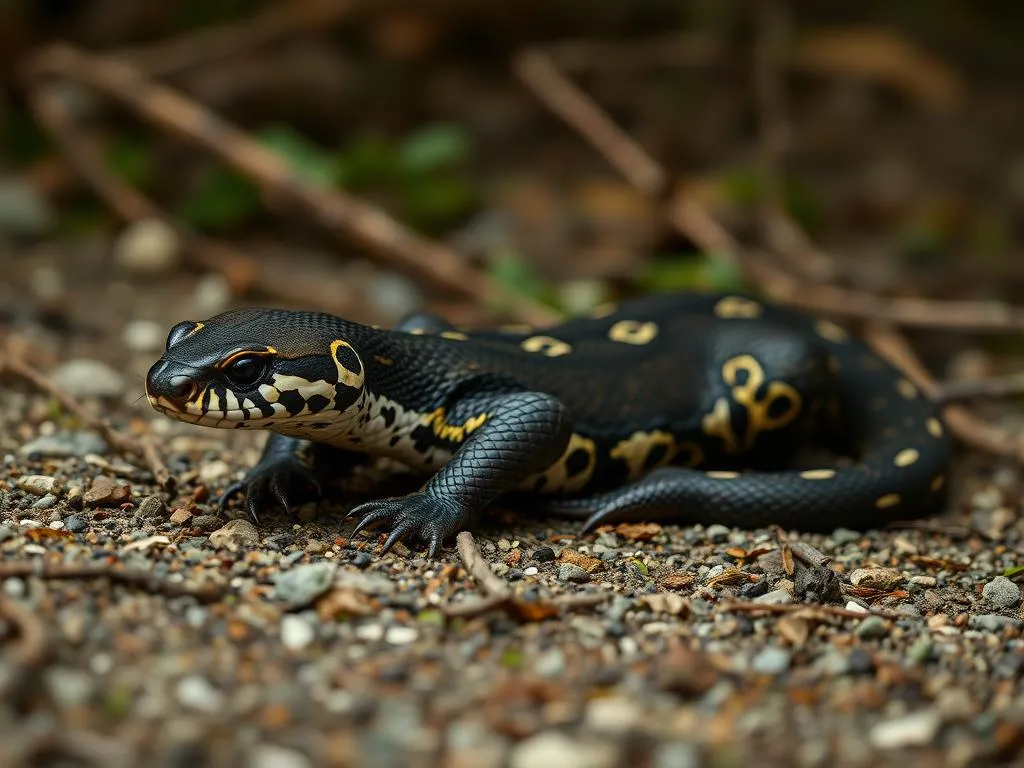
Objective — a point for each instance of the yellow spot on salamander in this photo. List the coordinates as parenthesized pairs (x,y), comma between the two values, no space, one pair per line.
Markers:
(721,474)
(453,433)
(737,306)
(633,332)
(636,451)
(934,427)
(572,471)
(546,345)
(383,360)
(906,457)
(453,335)
(603,310)
(937,482)
(829,330)
(818,474)
(906,389)
(889,500)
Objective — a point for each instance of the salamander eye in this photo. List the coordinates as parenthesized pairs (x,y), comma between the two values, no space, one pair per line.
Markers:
(245,371)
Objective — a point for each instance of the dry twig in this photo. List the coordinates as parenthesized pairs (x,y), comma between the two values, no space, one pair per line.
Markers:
(499,596)
(222,42)
(971,389)
(831,610)
(126,445)
(696,222)
(31,651)
(385,239)
(131,577)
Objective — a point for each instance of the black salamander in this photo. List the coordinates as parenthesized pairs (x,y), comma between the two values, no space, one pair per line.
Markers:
(690,408)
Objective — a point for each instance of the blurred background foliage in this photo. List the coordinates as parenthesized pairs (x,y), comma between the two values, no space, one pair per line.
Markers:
(413,106)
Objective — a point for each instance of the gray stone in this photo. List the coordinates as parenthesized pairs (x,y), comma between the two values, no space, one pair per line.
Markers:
(1001,593)
(917,729)
(843,536)
(717,533)
(74,524)
(872,628)
(197,693)
(775,597)
(573,573)
(40,485)
(46,502)
(275,756)
(152,508)
(148,247)
(771,661)
(301,585)
(993,622)
(296,632)
(23,211)
(235,535)
(81,377)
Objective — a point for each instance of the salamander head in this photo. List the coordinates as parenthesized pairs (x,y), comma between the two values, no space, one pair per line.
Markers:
(257,368)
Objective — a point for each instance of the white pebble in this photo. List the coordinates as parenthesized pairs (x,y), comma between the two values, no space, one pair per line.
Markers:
(296,632)
(400,635)
(144,336)
(531,571)
(370,632)
(40,485)
(211,295)
(914,730)
(148,247)
(197,693)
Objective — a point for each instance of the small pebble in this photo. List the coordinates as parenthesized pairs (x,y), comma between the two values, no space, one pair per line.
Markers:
(46,502)
(543,555)
(181,516)
(143,336)
(844,536)
(884,579)
(213,471)
(64,445)
(208,522)
(771,661)
(573,573)
(613,714)
(81,377)
(14,587)
(296,632)
(775,597)
(316,546)
(303,584)
(148,247)
(39,485)
(531,570)
(399,635)
(717,533)
(105,492)
(235,535)
(1001,593)
(872,628)
(914,730)
(152,508)
(993,622)
(197,693)
(553,748)
(274,756)
(74,524)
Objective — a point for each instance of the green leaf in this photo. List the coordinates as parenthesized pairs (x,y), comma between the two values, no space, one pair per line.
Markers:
(1013,571)
(512,658)
(516,276)
(223,200)
(437,146)
(708,272)
(132,160)
(433,202)
(308,160)
(369,159)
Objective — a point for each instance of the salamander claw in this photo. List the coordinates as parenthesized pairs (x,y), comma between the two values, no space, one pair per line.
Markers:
(285,483)
(423,516)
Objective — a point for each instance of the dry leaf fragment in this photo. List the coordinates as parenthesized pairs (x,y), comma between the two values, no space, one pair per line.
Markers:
(147,543)
(587,562)
(342,602)
(638,531)
(679,580)
(666,602)
(793,629)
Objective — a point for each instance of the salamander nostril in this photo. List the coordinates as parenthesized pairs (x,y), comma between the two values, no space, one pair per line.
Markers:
(181,387)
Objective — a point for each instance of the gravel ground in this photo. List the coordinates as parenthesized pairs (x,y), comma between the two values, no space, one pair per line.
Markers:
(286,644)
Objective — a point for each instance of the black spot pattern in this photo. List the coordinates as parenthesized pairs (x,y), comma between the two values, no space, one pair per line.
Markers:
(292,401)
(317,403)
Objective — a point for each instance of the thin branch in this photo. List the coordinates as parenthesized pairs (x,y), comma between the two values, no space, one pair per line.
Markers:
(222,42)
(490,583)
(781,233)
(125,445)
(32,649)
(777,608)
(969,428)
(385,239)
(972,389)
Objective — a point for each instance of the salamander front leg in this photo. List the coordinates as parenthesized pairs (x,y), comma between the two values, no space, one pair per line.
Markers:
(286,475)
(520,434)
